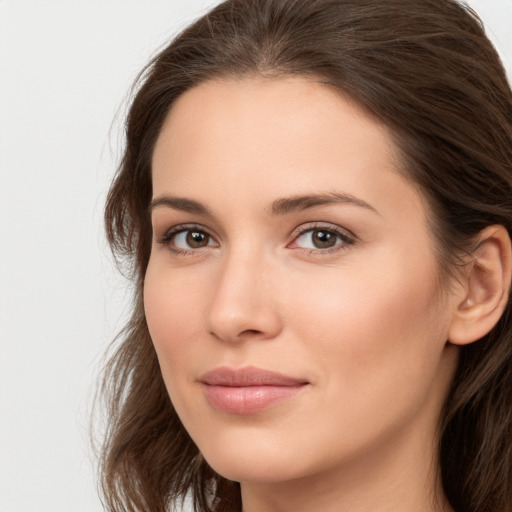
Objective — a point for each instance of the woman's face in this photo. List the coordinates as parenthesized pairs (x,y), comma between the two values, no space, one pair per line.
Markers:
(292,293)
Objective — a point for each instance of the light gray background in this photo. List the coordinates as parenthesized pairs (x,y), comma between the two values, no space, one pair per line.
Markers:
(65,70)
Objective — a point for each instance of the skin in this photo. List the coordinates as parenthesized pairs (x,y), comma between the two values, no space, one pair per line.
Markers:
(363,322)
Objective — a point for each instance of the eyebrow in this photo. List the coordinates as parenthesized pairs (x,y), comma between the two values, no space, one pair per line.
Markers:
(179,203)
(296,203)
(281,206)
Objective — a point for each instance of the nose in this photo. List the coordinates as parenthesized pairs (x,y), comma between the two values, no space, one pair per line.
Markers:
(244,302)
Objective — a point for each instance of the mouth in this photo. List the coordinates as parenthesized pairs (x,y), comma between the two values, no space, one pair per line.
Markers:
(248,390)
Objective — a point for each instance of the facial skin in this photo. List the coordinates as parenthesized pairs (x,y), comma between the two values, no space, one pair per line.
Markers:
(360,318)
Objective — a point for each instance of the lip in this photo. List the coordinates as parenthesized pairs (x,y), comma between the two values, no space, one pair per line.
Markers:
(248,390)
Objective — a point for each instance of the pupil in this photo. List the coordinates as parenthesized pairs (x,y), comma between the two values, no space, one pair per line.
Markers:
(196,239)
(323,239)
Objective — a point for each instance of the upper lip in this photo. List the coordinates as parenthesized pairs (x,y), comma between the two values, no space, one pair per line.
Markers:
(248,376)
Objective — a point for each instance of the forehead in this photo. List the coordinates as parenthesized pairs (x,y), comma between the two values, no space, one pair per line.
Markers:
(225,113)
(274,138)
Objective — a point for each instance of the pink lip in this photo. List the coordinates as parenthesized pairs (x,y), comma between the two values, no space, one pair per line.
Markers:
(248,390)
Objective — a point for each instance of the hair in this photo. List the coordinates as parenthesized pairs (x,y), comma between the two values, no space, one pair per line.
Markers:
(428,71)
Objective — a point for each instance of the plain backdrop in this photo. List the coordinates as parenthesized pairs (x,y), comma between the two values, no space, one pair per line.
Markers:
(65,71)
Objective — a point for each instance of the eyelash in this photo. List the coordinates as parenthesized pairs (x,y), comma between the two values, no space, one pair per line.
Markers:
(347,238)
(170,235)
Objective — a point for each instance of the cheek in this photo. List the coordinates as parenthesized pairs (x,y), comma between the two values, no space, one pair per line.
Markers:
(173,304)
(378,323)
(374,341)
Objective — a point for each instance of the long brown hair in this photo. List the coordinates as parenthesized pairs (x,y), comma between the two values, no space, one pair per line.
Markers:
(424,67)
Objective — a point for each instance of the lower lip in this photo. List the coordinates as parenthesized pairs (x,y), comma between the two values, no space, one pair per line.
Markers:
(248,399)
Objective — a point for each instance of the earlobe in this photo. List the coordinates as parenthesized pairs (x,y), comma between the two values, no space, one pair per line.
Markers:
(487,287)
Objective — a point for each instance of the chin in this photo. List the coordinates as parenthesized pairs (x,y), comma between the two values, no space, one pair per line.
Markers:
(256,471)
(252,460)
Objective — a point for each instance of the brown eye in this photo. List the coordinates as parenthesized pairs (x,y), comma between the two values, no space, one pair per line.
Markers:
(189,239)
(197,239)
(323,239)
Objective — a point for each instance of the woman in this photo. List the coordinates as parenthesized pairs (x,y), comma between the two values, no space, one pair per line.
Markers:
(316,200)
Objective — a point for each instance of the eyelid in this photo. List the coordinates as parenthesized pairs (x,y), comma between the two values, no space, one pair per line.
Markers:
(172,232)
(348,237)
(331,226)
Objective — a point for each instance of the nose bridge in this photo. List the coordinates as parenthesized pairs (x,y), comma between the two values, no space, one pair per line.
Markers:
(242,304)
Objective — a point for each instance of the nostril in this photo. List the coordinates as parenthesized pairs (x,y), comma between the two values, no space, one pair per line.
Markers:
(246,334)
(249,332)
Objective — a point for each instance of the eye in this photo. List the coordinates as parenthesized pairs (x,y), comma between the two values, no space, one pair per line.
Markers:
(183,239)
(192,239)
(322,238)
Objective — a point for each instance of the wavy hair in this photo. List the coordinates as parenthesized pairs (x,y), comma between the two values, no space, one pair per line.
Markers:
(425,68)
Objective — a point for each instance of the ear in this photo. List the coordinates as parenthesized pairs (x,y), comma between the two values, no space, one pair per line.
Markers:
(485,290)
